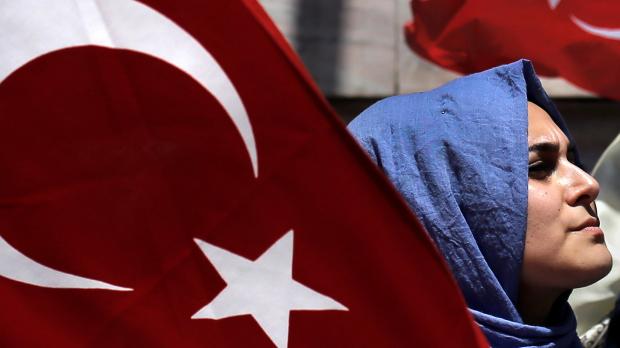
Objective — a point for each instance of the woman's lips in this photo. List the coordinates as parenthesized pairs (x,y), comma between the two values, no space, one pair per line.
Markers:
(590,222)
(591,228)
(594,231)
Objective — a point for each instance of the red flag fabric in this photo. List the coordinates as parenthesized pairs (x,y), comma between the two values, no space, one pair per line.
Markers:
(577,40)
(170,177)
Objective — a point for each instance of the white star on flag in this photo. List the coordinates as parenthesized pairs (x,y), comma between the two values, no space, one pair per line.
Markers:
(263,288)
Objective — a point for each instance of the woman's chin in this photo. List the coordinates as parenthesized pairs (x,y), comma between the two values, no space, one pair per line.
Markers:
(598,266)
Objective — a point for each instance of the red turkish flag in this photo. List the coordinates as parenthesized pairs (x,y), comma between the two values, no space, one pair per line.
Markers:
(170,177)
(577,40)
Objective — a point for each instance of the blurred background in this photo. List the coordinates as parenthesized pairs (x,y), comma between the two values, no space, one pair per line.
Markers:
(356,51)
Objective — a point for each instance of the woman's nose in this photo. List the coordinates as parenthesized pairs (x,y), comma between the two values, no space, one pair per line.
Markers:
(583,188)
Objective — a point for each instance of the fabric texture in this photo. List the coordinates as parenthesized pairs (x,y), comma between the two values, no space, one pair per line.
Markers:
(458,154)
(596,336)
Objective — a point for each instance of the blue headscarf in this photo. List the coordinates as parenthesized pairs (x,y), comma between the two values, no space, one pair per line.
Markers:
(459,156)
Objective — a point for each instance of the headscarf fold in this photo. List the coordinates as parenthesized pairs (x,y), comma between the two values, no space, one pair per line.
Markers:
(459,156)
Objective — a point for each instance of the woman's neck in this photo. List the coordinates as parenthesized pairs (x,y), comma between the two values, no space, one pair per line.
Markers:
(535,305)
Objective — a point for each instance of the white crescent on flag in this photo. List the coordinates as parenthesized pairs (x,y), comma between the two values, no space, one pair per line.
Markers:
(19,267)
(123,24)
(32,28)
(607,33)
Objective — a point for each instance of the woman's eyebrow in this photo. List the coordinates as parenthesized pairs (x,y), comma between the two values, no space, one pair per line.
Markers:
(544,147)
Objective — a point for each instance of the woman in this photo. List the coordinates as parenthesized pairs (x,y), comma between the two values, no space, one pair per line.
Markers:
(489,168)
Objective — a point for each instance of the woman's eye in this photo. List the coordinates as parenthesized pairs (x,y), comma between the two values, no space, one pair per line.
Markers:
(540,170)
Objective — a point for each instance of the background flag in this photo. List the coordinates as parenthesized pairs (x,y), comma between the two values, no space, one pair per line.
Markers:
(170,177)
(577,40)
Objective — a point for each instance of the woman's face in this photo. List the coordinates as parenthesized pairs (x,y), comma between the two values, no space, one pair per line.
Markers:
(564,247)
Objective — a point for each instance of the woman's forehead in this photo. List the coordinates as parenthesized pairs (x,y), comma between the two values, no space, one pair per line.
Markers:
(541,128)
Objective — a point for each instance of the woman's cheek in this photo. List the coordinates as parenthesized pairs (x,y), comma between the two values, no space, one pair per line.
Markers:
(543,214)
